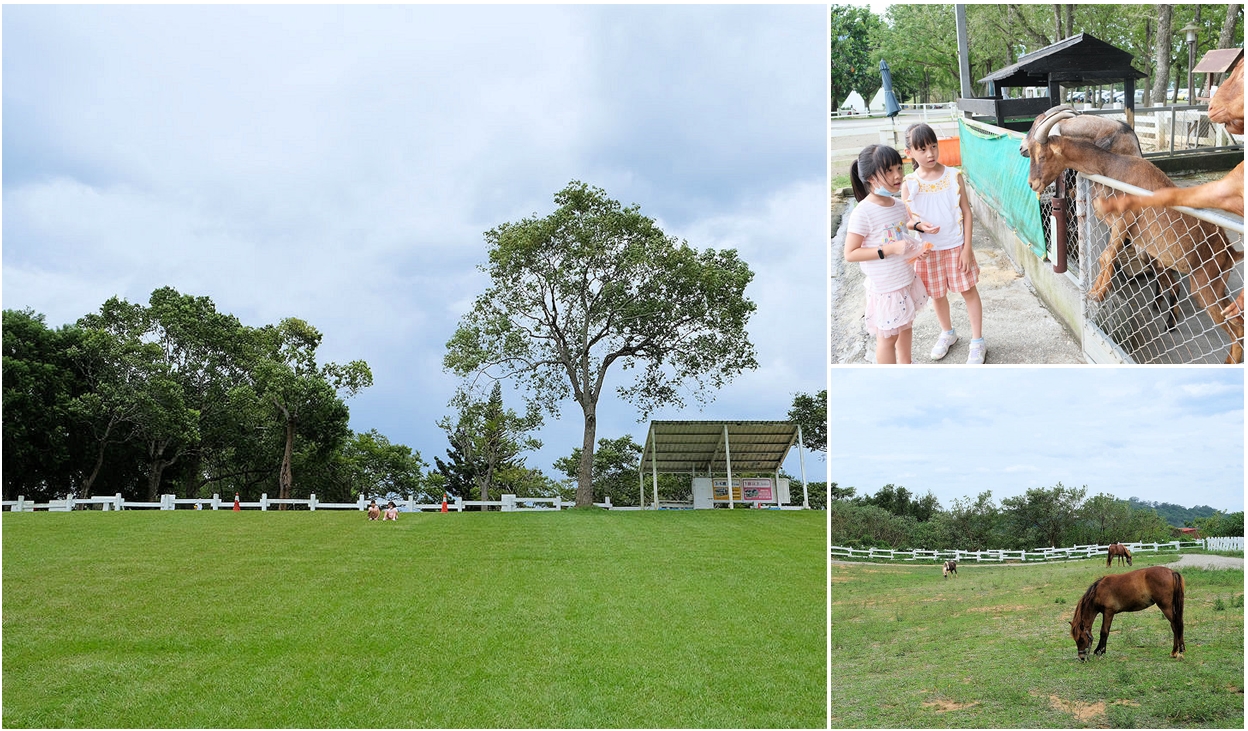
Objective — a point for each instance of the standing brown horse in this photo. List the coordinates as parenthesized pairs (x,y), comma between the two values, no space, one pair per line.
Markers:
(1119,550)
(1129,592)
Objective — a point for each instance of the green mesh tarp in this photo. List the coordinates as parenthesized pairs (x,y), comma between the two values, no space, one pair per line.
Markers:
(991,163)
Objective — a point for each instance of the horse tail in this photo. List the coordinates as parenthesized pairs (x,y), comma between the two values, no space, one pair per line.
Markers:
(1177,598)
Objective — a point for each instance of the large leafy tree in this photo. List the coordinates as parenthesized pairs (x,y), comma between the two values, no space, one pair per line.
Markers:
(487,440)
(305,398)
(811,413)
(594,284)
(615,469)
(852,43)
(1044,516)
(378,467)
(39,383)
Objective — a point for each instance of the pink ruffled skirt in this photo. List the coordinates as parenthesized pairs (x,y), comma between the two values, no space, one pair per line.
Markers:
(888,313)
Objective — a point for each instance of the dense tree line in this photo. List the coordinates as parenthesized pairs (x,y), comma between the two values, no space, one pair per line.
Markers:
(173,396)
(920,43)
(1042,517)
(1175,515)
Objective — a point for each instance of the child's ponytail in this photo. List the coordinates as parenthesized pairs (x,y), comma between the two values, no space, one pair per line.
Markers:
(860,189)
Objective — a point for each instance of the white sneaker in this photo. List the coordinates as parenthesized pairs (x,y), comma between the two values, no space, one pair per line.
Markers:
(978,351)
(943,343)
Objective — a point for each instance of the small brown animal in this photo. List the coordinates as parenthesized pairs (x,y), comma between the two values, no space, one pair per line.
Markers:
(951,567)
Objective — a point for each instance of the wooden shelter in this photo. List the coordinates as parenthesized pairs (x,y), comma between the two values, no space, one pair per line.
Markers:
(1079,60)
(1218,61)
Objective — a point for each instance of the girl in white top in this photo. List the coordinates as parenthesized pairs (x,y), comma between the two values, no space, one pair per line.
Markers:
(940,212)
(877,239)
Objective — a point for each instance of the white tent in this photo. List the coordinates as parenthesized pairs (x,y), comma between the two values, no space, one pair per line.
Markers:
(877,101)
(854,101)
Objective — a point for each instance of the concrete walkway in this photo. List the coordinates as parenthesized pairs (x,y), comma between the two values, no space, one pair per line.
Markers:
(1018,328)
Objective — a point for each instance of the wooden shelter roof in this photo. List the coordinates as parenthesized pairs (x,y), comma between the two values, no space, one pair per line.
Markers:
(1075,61)
(1218,61)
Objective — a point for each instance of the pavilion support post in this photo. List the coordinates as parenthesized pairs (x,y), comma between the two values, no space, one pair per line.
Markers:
(728,463)
(801,460)
(641,488)
(654,468)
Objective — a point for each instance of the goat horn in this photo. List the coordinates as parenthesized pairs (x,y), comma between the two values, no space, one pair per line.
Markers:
(1042,134)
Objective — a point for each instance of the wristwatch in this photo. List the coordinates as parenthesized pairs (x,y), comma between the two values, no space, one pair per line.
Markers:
(880,251)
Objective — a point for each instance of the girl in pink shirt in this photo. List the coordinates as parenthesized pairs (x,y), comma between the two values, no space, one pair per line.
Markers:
(877,239)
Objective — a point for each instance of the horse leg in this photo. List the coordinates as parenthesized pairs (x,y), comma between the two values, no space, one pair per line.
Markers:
(1176,628)
(1108,615)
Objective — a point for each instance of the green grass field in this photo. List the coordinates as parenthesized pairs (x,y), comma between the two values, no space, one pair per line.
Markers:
(992,648)
(298,619)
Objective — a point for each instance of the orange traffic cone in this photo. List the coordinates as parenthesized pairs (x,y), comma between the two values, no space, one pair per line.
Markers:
(237,507)
(444,502)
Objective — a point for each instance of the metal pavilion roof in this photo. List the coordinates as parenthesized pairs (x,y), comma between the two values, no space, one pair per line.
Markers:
(698,446)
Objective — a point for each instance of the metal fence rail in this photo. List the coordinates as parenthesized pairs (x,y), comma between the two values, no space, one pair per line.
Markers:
(1155,282)
(1000,556)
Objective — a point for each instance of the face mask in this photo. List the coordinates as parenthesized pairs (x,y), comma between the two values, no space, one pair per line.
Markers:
(884,192)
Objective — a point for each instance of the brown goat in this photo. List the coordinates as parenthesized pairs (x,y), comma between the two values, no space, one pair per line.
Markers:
(1105,133)
(1118,138)
(1226,108)
(1227,105)
(1176,241)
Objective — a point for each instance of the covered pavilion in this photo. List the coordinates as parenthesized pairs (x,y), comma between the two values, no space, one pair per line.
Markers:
(707,449)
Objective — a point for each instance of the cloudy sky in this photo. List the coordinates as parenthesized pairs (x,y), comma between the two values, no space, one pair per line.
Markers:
(340,164)
(1163,434)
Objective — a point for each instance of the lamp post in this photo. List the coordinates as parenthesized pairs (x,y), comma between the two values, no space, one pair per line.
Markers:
(1191,29)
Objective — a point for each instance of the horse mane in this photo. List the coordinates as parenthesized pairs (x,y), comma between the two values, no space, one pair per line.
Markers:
(1087,604)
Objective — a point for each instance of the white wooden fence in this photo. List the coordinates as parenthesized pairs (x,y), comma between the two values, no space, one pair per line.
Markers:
(509,504)
(1034,556)
(1224,544)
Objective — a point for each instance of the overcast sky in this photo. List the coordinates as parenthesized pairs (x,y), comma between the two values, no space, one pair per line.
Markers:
(1161,434)
(340,164)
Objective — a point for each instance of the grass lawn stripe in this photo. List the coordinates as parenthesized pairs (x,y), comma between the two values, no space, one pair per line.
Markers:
(580,619)
(992,649)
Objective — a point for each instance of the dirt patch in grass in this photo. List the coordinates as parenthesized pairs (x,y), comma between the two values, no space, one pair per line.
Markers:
(943,706)
(1083,712)
(999,608)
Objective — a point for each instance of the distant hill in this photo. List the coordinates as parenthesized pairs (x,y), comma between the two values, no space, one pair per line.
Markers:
(1175,515)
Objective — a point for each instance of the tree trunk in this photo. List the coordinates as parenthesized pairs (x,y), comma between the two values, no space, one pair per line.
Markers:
(585,475)
(285,480)
(1070,20)
(1164,15)
(95,472)
(1228,26)
(1057,19)
(1148,65)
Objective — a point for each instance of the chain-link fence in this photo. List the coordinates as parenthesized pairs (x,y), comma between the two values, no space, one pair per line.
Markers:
(1157,282)
(1072,229)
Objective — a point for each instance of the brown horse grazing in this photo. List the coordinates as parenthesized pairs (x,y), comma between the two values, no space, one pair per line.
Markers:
(951,567)
(1129,592)
(1119,550)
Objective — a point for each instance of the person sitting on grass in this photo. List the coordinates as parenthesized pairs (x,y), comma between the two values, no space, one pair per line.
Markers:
(392,512)
(374,512)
